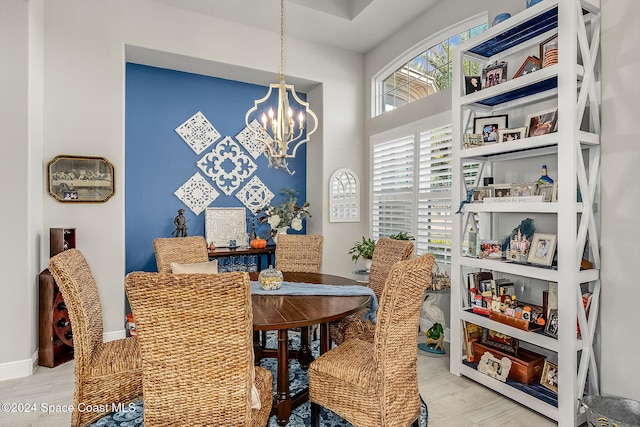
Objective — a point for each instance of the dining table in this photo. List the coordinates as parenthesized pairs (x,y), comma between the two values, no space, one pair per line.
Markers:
(283,312)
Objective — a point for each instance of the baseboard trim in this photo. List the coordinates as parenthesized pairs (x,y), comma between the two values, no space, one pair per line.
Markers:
(18,368)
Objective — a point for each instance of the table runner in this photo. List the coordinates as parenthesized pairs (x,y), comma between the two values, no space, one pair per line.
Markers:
(299,288)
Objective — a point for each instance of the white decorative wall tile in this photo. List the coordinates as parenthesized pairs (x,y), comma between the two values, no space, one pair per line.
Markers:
(255,195)
(197,193)
(227,165)
(198,132)
(248,140)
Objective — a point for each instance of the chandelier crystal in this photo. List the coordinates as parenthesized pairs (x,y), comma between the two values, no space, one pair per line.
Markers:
(283,120)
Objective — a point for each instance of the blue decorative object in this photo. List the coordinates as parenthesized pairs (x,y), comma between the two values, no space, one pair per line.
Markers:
(501,17)
(532,2)
(465,201)
(132,415)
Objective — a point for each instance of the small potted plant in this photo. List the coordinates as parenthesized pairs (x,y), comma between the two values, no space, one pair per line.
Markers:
(363,249)
(402,236)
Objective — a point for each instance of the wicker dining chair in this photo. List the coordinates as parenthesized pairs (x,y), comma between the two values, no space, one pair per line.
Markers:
(182,250)
(373,384)
(299,253)
(386,253)
(195,333)
(105,372)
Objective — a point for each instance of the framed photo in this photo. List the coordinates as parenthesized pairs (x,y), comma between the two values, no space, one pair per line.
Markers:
(472,246)
(542,123)
(479,193)
(551,327)
(529,65)
(549,377)
(494,74)
(524,190)
(549,51)
(490,249)
(73,179)
(546,191)
(489,126)
(222,225)
(499,341)
(473,140)
(494,367)
(507,135)
(543,247)
(501,190)
(472,84)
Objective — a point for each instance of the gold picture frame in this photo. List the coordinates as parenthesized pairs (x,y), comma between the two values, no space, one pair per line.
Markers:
(80,179)
(549,378)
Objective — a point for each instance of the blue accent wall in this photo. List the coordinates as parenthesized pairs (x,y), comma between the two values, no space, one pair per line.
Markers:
(158,161)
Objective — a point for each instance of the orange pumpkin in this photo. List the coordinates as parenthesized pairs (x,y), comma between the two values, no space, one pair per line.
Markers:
(258,243)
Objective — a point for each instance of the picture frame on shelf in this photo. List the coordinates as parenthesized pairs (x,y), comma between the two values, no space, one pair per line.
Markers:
(501,190)
(542,122)
(473,140)
(494,74)
(500,341)
(549,378)
(549,51)
(494,367)
(543,247)
(490,249)
(489,126)
(473,249)
(530,65)
(551,326)
(472,84)
(74,179)
(526,189)
(546,191)
(479,193)
(508,135)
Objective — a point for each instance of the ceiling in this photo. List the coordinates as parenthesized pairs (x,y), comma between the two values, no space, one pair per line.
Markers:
(355,25)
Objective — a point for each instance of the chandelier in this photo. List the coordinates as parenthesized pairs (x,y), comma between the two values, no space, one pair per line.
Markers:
(281,124)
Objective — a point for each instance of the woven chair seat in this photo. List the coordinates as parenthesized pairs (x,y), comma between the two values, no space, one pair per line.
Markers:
(113,357)
(350,363)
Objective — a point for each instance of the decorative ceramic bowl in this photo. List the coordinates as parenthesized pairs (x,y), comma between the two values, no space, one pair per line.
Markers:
(501,17)
(270,279)
(532,2)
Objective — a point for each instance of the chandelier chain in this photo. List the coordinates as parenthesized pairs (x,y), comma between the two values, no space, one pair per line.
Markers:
(281,69)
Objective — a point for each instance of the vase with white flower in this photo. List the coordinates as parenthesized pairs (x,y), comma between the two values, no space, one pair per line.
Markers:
(286,214)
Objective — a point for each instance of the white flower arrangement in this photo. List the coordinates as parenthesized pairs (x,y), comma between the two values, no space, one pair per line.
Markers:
(287,213)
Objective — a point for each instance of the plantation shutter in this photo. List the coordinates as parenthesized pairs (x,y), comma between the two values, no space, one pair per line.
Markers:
(393,186)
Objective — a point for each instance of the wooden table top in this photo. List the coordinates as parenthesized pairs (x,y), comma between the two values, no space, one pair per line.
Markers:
(272,312)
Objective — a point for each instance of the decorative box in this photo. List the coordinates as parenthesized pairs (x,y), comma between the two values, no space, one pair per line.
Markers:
(526,367)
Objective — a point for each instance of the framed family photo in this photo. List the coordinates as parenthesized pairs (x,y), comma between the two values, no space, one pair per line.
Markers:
(479,193)
(489,126)
(549,378)
(551,327)
(507,135)
(472,84)
(494,74)
(494,367)
(543,247)
(547,192)
(542,122)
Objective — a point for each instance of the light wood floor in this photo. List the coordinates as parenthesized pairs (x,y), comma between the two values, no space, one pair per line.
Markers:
(452,401)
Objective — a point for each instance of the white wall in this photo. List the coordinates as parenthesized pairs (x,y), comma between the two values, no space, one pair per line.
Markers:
(620,50)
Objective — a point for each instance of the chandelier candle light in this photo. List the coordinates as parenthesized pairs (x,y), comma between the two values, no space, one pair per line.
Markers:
(279,127)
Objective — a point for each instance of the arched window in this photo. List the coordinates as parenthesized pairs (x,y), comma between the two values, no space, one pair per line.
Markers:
(344,196)
(426,68)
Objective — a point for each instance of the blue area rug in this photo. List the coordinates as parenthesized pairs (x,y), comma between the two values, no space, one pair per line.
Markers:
(300,417)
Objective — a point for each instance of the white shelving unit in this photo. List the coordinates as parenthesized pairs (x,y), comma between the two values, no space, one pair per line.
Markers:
(573,86)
